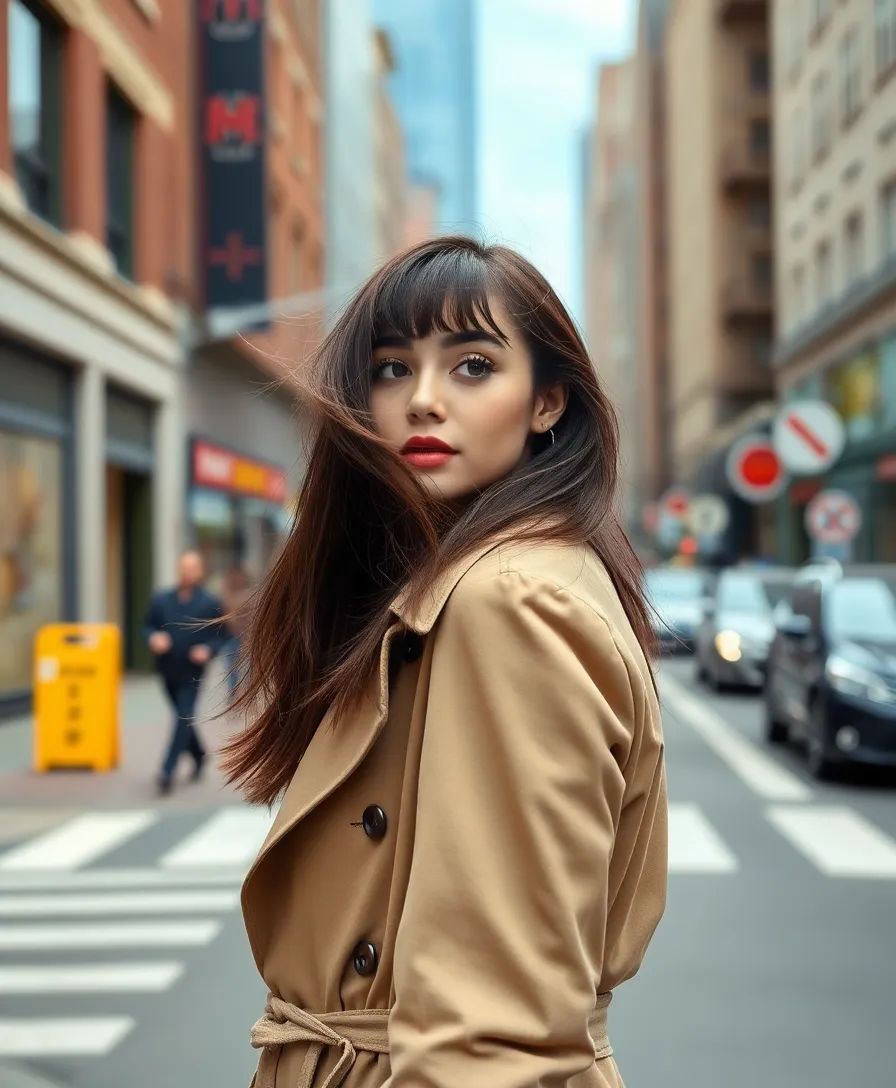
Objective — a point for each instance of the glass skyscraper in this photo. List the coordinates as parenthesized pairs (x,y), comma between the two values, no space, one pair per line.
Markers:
(434,90)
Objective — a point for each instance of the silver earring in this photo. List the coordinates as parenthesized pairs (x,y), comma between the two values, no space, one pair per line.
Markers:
(551,433)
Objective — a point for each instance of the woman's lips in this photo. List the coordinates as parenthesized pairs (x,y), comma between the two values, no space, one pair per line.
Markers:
(427,452)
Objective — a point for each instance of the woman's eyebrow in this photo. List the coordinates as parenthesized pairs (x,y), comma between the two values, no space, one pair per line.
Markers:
(471,336)
(392,341)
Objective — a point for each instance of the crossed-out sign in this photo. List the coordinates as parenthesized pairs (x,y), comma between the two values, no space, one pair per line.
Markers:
(809,437)
(833,517)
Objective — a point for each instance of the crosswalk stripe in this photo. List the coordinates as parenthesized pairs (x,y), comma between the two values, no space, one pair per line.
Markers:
(146,903)
(694,844)
(104,978)
(62,1037)
(763,774)
(78,842)
(230,837)
(117,878)
(108,935)
(837,840)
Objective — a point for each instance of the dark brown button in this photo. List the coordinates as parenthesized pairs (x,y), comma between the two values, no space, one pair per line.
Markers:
(374,822)
(412,647)
(365,958)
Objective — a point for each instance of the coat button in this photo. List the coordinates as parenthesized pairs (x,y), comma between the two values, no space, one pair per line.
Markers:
(365,958)
(374,822)
(412,646)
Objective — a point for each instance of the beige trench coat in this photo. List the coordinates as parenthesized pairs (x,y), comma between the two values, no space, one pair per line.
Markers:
(476,855)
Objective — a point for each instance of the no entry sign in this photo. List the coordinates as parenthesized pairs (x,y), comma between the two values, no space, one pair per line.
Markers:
(833,517)
(809,437)
(754,470)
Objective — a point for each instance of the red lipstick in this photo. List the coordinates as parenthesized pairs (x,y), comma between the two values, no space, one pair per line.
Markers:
(423,452)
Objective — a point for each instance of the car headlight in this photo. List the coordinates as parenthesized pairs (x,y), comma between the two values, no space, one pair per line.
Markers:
(851,679)
(728,645)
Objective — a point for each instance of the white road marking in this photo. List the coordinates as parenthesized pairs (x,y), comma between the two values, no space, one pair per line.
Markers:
(106,935)
(694,844)
(62,1038)
(116,878)
(763,774)
(837,840)
(145,903)
(105,978)
(78,842)
(230,837)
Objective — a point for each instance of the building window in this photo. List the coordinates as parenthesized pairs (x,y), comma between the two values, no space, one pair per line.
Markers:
(884,35)
(853,249)
(821,115)
(760,211)
(760,139)
(121,124)
(888,220)
(824,278)
(850,75)
(799,145)
(761,267)
(759,72)
(35,108)
(819,12)
(798,292)
(794,37)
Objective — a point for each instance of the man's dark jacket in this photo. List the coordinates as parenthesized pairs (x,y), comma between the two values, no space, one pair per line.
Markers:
(195,621)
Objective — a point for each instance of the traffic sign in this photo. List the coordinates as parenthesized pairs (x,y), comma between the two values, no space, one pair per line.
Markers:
(708,515)
(809,436)
(754,469)
(833,517)
(675,502)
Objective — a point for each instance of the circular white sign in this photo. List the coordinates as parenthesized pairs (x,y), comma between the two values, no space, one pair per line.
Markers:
(675,502)
(809,436)
(754,469)
(708,515)
(833,517)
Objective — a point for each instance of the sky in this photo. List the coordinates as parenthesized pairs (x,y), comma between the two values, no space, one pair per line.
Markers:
(537,71)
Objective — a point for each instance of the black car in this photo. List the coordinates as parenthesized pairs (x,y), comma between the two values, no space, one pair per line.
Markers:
(738,626)
(677,597)
(831,680)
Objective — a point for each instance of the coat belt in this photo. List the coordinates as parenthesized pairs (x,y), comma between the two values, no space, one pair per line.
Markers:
(351,1031)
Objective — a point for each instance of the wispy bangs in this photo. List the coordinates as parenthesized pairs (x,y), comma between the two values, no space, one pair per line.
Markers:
(442,291)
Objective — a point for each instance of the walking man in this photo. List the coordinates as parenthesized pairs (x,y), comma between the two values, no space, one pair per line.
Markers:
(183,629)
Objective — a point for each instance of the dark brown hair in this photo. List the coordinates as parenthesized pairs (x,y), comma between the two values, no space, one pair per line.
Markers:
(365,528)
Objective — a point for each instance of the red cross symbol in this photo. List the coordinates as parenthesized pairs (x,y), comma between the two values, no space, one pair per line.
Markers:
(837,518)
(235,256)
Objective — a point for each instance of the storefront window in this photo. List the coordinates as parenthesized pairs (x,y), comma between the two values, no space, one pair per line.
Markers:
(31,583)
(853,388)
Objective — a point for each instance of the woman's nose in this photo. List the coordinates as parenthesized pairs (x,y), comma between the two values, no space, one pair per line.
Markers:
(426,399)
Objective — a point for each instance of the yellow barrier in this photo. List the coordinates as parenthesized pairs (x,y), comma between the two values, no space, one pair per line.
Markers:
(77,676)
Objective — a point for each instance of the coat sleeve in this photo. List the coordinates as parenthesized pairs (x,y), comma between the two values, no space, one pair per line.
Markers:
(499,950)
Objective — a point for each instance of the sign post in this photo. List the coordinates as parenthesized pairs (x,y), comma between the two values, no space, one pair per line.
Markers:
(754,470)
(809,437)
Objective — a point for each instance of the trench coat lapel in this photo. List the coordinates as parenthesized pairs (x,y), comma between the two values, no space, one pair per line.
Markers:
(337,749)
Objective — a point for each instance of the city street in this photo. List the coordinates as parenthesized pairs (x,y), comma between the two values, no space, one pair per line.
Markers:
(123,961)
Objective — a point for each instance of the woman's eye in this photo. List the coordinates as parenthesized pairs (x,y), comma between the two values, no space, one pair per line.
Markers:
(476,366)
(390,370)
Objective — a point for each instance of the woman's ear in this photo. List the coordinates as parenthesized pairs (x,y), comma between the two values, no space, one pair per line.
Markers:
(550,404)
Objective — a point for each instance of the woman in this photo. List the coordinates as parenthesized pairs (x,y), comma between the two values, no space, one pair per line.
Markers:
(450,678)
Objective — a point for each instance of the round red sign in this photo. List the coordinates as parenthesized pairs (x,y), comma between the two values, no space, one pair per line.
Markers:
(755,470)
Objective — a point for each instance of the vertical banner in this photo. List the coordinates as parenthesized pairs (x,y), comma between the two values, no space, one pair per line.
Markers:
(233,132)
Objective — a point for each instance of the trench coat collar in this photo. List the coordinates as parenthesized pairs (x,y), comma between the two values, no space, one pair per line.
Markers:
(422,617)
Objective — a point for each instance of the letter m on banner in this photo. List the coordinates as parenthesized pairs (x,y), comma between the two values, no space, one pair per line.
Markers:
(229,116)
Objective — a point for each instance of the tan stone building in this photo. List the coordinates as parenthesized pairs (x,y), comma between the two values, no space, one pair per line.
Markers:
(390,185)
(835,211)
(720,269)
(610,239)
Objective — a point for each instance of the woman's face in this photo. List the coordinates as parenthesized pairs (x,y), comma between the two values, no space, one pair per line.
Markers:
(461,407)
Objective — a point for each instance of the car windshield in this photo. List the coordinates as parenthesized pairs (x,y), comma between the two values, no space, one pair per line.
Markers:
(863,609)
(750,593)
(674,585)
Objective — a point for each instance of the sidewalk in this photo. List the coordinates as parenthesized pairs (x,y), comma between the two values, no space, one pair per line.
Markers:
(145,729)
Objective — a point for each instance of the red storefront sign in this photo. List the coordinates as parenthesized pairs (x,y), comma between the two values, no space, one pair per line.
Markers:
(223,470)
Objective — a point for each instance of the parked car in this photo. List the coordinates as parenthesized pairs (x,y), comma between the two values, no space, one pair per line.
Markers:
(677,597)
(738,626)
(831,680)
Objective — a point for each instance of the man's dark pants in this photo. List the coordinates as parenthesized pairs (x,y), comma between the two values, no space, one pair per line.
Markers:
(182,694)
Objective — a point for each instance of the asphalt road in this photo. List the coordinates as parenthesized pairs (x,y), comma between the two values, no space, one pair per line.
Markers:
(775,964)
